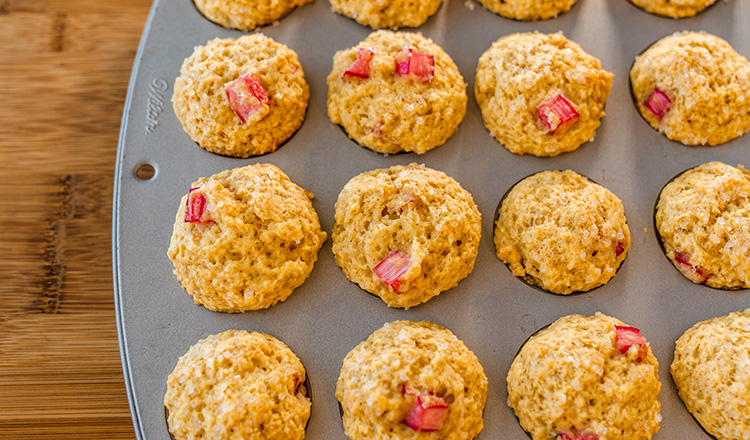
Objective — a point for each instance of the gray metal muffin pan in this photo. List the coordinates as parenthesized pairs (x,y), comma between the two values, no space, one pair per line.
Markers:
(491,311)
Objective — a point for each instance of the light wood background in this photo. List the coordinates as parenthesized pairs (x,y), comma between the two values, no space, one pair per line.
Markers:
(64,71)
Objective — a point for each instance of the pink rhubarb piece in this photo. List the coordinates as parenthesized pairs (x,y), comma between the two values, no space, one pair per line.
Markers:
(415,64)
(360,68)
(390,268)
(247,97)
(195,208)
(557,114)
(658,103)
(627,337)
(694,274)
(427,413)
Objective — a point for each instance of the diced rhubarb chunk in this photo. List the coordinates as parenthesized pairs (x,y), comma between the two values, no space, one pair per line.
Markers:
(416,65)
(576,436)
(390,268)
(360,68)
(627,337)
(694,274)
(427,413)
(658,103)
(557,113)
(620,248)
(377,130)
(247,97)
(402,62)
(297,383)
(195,208)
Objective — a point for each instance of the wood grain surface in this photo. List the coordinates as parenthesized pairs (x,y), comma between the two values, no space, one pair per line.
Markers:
(64,71)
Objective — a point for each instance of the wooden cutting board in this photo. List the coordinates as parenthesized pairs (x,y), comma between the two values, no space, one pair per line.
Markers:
(64,71)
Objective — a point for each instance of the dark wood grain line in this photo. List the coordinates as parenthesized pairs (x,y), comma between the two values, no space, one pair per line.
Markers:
(54,268)
(54,271)
(58,32)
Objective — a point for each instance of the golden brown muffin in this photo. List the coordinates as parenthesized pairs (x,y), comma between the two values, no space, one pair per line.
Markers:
(562,232)
(673,8)
(405,233)
(586,376)
(209,117)
(238,385)
(703,220)
(387,14)
(692,87)
(412,380)
(246,15)
(711,369)
(244,239)
(392,109)
(528,10)
(540,94)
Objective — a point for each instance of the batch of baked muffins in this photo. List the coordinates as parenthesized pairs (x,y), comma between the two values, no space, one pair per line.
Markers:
(244,239)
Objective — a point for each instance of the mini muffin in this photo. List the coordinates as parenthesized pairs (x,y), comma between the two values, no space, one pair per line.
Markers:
(411,380)
(246,14)
(673,8)
(711,369)
(244,239)
(584,378)
(405,233)
(703,220)
(693,88)
(238,385)
(396,91)
(241,97)
(562,232)
(528,10)
(387,14)
(540,94)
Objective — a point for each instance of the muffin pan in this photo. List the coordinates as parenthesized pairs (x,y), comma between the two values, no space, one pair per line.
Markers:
(491,311)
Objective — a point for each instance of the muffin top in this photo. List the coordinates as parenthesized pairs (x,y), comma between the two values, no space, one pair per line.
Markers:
(703,220)
(396,92)
(245,238)
(241,97)
(387,14)
(673,8)
(528,10)
(246,15)
(586,375)
(711,369)
(562,232)
(692,87)
(238,385)
(412,380)
(405,233)
(540,94)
